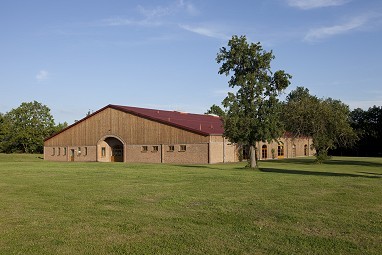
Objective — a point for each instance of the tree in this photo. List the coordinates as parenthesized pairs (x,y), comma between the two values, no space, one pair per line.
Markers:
(252,113)
(368,126)
(26,127)
(60,126)
(216,110)
(2,131)
(325,120)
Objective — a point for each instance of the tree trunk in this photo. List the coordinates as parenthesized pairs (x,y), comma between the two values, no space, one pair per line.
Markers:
(253,157)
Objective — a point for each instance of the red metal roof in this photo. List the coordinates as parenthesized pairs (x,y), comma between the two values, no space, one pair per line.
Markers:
(198,123)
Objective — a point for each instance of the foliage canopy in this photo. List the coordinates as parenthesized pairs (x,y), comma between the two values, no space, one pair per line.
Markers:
(252,113)
(23,129)
(325,120)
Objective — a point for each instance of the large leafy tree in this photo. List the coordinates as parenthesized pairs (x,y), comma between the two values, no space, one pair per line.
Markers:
(368,126)
(252,113)
(25,128)
(325,120)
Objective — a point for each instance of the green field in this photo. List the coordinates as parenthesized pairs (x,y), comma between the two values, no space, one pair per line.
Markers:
(286,207)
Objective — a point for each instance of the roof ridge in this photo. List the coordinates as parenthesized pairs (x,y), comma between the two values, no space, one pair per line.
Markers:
(198,126)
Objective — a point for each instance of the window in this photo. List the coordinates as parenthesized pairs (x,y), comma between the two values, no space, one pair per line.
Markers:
(280,151)
(86,151)
(59,150)
(79,151)
(155,148)
(64,151)
(103,152)
(305,150)
(171,148)
(264,152)
(294,150)
(182,148)
(54,151)
(144,148)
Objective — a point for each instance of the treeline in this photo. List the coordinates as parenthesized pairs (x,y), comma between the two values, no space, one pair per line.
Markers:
(24,128)
(368,126)
(335,130)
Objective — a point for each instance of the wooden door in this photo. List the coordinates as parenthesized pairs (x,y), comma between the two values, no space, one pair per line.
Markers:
(72,155)
(117,154)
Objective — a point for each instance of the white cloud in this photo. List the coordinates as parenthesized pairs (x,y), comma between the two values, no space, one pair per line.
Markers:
(312,4)
(205,31)
(153,16)
(324,32)
(42,75)
(189,7)
(156,12)
(118,21)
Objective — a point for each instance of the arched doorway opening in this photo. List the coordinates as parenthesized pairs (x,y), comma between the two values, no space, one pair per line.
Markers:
(293,151)
(280,150)
(264,152)
(110,149)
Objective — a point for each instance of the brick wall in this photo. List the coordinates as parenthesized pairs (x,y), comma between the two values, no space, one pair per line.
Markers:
(80,153)
(136,153)
(194,154)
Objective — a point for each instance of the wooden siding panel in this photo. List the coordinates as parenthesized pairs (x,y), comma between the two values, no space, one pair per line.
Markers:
(132,129)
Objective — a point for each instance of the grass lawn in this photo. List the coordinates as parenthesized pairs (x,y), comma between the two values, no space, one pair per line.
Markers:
(287,207)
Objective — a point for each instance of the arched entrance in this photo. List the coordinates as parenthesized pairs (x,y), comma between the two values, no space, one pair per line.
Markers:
(280,150)
(264,152)
(110,149)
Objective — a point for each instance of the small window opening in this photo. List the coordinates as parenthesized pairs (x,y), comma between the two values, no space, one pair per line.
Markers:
(264,152)
(155,148)
(280,150)
(144,149)
(182,148)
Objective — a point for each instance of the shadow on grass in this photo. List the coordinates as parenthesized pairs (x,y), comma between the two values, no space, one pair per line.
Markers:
(352,162)
(303,161)
(303,172)
(310,161)
(370,173)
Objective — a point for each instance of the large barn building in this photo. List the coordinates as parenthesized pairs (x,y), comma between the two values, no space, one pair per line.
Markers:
(131,134)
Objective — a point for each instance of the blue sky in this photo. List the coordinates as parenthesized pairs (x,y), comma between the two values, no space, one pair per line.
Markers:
(80,55)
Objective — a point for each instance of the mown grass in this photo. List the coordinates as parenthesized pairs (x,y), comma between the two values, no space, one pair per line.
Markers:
(287,207)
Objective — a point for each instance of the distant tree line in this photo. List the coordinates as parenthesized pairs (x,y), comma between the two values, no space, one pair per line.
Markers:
(24,128)
(368,126)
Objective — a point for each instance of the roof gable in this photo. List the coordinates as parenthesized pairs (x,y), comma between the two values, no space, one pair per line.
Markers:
(197,123)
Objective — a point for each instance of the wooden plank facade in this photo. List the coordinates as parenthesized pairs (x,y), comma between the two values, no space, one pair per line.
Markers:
(128,134)
(142,140)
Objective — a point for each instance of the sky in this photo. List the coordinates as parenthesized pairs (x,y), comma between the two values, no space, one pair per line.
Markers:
(77,56)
